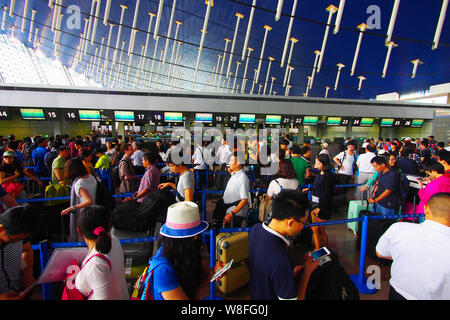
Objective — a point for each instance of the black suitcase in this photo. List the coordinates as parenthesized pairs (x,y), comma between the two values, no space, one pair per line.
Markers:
(375,229)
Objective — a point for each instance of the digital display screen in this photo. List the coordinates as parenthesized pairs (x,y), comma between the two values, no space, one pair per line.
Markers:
(310,120)
(285,120)
(52,114)
(158,118)
(298,120)
(246,118)
(204,117)
(417,123)
(89,115)
(273,119)
(233,118)
(387,122)
(140,116)
(367,122)
(32,114)
(319,254)
(218,118)
(124,116)
(333,121)
(173,117)
(406,123)
(4,114)
(70,115)
(345,121)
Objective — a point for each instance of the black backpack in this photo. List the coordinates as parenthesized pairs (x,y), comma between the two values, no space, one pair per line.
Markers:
(142,216)
(331,282)
(51,157)
(115,177)
(103,197)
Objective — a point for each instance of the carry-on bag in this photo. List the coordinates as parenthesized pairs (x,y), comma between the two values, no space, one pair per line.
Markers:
(354,208)
(233,246)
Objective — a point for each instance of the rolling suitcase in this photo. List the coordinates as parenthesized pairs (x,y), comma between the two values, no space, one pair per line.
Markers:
(354,208)
(233,246)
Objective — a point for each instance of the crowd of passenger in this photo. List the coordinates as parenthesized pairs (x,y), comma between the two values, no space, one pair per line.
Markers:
(379,168)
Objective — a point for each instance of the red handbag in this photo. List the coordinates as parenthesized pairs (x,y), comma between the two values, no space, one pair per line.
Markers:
(69,291)
(13,188)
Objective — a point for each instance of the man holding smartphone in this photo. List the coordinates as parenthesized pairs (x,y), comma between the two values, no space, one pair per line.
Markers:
(271,274)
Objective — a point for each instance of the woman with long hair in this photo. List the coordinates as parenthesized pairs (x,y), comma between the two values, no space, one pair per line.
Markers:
(82,194)
(322,199)
(102,276)
(177,265)
(286,179)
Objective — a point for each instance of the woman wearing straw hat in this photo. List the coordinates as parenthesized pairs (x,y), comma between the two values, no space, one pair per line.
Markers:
(177,265)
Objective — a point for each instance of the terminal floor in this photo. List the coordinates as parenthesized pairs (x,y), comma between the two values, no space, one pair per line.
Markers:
(341,240)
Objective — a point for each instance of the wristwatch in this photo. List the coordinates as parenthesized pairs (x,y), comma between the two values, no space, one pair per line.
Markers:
(74,208)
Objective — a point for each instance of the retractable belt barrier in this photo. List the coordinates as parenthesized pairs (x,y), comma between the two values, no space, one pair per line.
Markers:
(359,279)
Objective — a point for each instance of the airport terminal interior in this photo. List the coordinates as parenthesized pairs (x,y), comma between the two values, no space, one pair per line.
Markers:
(84,80)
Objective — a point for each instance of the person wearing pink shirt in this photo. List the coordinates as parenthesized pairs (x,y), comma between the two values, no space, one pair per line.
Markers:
(439,182)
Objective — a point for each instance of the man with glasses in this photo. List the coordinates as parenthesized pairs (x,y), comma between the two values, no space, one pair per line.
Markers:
(16,254)
(271,273)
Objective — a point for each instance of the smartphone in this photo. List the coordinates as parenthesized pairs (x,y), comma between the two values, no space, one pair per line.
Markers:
(322,252)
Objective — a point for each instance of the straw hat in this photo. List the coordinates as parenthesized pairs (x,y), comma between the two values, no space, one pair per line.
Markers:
(183,221)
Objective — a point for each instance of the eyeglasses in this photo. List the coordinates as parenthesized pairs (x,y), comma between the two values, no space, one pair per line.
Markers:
(299,220)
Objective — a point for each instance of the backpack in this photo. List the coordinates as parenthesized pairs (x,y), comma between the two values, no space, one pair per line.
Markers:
(70,292)
(52,155)
(331,282)
(140,217)
(115,177)
(103,196)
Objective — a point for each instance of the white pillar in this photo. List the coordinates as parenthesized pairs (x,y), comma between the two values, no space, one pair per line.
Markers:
(331,9)
(340,66)
(267,75)
(261,56)
(288,34)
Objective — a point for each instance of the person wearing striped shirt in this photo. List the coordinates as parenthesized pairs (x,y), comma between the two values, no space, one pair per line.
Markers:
(16,254)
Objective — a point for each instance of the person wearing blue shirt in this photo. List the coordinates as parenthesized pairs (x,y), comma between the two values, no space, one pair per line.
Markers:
(272,275)
(177,265)
(387,190)
(38,156)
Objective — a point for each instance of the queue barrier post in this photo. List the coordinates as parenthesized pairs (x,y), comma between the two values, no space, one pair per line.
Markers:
(43,256)
(359,279)
(212,263)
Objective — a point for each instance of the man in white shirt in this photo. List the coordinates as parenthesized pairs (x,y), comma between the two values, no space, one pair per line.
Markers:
(366,170)
(137,158)
(223,155)
(237,189)
(345,161)
(420,254)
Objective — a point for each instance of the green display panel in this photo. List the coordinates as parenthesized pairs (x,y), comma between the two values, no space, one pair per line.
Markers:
(89,115)
(417,123)
(272,119)
(387,122)
(127,116)
(173,117)
(310,120)
(246,118)
(366,122)
(32,114)
(334,121)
